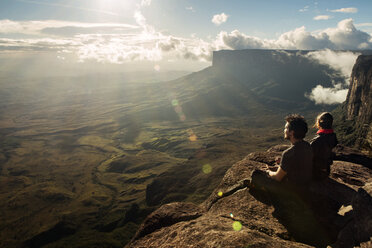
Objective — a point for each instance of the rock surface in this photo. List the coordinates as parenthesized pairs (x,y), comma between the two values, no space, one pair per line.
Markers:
(355,124)
(360,92)
(344,153)
(340,213)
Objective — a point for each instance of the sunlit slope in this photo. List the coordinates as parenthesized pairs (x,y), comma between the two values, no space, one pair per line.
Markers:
(200,95)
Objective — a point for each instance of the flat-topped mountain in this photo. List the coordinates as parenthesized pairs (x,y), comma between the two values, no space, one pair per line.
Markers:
(278,74)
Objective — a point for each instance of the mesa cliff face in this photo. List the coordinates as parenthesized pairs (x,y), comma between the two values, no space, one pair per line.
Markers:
(359,100)
(359,104)
(354,126)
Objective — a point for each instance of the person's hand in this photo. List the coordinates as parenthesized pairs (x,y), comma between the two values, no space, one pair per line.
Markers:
(272,168)
(278,159)
(270,173)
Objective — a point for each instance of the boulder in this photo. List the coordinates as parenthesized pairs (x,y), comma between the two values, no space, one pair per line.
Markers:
(358,231)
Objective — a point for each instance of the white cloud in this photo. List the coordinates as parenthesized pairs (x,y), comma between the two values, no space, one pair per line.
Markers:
(322,17)
(169,44)
(366,24)
(44,44)
(37,27)
(190,8)
(302,39)
(338,60)
(70,7)
(145,2)
(321,95)
(219,19)
(345,36)
(197,49)
(237,40)
(304,9)
(345,10)
(114,51)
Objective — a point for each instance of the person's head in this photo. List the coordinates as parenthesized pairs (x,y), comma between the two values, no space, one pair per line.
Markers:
(324,121)
(296,127)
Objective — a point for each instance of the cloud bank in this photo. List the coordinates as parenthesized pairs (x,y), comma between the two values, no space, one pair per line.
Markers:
(343,37)
(144,42)
(118,43)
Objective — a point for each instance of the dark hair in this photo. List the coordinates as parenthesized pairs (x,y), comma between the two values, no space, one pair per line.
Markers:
(298,125)
(324,121)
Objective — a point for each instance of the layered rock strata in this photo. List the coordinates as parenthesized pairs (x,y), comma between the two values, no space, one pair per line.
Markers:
(355,124)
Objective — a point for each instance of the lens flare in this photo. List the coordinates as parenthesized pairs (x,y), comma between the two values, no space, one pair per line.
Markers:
(178,109)
(237,226)
(157,67)
(207,168)
(193,137)
(175,102)
(231,215)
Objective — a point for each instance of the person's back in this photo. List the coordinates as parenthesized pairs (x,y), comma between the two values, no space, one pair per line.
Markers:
(322,146)
(297,162)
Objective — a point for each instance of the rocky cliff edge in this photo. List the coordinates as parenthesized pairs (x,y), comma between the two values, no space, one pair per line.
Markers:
(339,214)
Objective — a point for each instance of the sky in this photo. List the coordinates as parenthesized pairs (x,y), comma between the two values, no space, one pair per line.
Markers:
(167,35)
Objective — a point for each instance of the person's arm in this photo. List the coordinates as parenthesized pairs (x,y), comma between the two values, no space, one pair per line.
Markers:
(277,175)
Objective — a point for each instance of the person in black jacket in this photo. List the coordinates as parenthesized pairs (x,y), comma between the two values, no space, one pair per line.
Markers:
(322,145)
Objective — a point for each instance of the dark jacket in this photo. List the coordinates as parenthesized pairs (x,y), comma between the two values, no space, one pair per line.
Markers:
(322,146)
